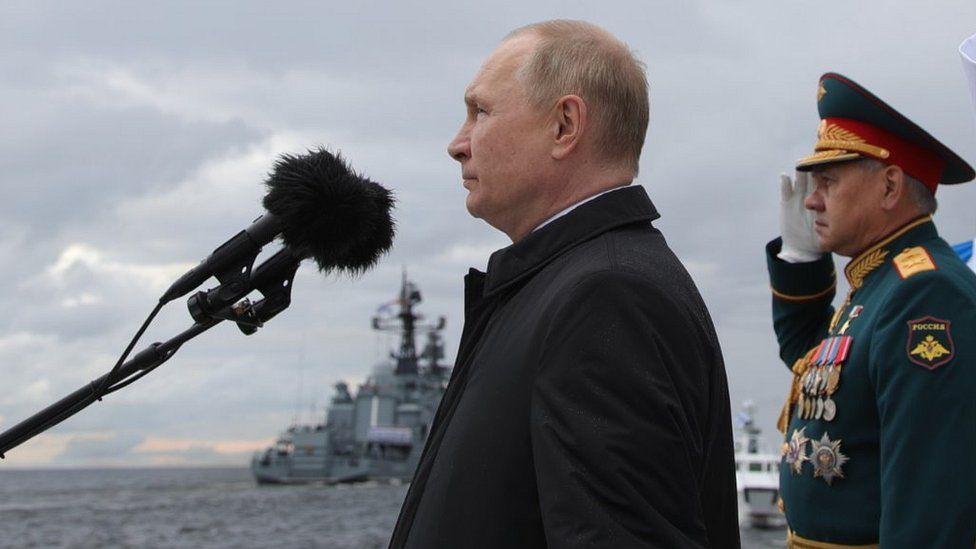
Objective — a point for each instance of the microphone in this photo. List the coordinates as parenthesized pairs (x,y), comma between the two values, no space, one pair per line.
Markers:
(321,209)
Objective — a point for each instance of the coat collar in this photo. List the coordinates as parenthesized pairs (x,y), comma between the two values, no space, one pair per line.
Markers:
(614,209)
(866,262)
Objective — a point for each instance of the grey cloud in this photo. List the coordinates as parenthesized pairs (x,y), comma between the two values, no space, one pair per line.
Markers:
(144,132)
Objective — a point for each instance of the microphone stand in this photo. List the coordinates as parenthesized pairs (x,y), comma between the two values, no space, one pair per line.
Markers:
(273,279)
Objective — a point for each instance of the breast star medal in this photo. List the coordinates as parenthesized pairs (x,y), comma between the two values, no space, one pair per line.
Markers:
(796,451)
(827,459)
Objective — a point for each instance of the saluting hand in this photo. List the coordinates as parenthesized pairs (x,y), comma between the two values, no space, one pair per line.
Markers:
(795,221)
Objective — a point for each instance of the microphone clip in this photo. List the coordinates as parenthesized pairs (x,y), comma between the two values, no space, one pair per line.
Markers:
(273,279)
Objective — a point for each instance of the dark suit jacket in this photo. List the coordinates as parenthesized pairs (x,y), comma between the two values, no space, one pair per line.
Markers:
(588,405)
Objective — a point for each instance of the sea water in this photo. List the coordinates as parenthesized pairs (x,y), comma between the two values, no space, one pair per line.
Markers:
(203,508)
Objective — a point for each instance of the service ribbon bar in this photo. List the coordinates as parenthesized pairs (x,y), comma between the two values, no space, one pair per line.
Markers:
(844,349)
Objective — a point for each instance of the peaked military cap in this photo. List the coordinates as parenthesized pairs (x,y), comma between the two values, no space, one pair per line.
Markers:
(857,124)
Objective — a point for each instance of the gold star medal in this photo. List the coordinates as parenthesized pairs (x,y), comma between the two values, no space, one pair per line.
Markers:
(827,459)
(796,451)
(855,312)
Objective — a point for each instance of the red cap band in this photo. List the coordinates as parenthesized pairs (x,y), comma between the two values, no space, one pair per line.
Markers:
(921,163)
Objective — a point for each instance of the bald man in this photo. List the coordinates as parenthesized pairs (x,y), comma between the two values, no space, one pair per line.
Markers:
(588,405)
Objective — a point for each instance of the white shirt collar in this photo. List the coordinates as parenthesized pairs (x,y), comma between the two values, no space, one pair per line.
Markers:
(577,205)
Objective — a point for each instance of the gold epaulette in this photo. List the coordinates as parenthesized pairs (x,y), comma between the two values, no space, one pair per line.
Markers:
(872,258)
(799,368)
(913,261)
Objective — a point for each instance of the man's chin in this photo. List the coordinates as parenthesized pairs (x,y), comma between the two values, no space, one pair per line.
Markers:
(824,244)
(472,206)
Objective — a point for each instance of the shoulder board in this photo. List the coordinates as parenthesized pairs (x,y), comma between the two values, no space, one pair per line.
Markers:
(913,261)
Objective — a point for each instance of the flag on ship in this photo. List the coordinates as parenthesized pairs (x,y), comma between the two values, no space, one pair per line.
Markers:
(965,252)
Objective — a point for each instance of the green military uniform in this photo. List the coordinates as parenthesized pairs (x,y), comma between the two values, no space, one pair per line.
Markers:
(880,425)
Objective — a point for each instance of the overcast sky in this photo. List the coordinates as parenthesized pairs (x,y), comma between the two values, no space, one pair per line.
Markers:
(135,138)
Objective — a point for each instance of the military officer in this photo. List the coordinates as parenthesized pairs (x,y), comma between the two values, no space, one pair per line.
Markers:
(880,424)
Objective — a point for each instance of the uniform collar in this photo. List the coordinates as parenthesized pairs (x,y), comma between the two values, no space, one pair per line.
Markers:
(866,262)
(609,211)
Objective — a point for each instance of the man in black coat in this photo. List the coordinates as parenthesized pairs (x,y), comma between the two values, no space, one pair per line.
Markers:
(588,405)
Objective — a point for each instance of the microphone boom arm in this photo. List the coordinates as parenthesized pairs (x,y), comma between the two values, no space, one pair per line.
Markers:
(273,279)
(144,361)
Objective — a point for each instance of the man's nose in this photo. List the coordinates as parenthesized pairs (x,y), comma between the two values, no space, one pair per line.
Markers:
(814,201)
(460,147)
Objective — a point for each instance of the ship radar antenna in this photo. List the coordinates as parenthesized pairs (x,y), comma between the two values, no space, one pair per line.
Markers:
(408,323)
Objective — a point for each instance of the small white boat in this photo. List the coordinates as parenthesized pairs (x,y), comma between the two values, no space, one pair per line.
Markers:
(756,474)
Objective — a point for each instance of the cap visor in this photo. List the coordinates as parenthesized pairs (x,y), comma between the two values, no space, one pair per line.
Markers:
(821,158)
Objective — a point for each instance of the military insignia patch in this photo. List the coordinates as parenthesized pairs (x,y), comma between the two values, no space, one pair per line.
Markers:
(929,342)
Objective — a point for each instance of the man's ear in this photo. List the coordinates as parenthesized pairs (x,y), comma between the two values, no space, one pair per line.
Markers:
(569,124)
(895,186)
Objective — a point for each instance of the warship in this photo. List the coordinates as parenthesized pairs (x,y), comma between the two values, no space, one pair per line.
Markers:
(378,432)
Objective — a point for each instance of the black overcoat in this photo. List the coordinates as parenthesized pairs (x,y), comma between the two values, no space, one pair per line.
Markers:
(588,406)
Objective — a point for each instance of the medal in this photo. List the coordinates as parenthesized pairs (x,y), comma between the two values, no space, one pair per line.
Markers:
(829,409)
(833,379)
(833,372)
(855,312)
(799,405)
(827,459)
(796,451)
(819,412)
(843,329)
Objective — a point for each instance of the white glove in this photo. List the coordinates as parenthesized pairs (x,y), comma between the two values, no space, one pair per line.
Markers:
(795,221)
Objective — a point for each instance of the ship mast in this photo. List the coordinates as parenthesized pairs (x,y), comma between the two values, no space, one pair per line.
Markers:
(407,323)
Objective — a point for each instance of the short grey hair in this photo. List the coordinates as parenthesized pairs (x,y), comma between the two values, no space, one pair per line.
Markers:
(575,57)
(922,198)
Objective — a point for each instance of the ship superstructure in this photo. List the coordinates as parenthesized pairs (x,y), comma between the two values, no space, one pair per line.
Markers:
(756,473)
(378,432)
